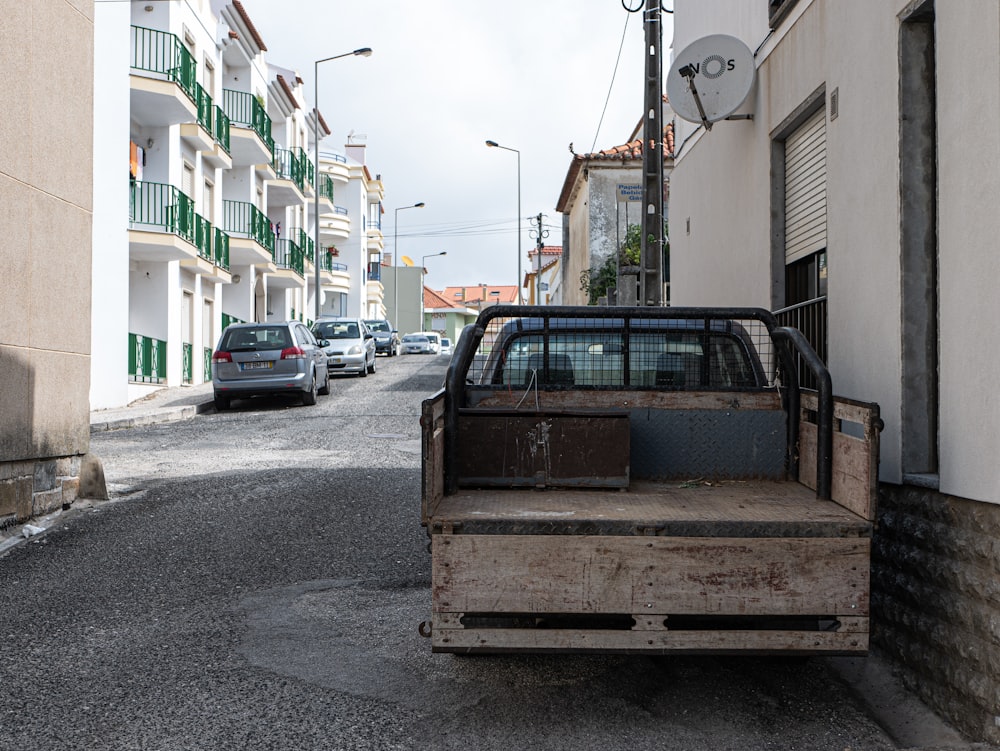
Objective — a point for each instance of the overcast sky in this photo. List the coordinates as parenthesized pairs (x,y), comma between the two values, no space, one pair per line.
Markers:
(443,78)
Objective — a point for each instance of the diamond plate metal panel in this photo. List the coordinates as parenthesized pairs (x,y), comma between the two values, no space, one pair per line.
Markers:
(709,444)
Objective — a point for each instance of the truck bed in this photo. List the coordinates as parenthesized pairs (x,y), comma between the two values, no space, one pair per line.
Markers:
(695,509)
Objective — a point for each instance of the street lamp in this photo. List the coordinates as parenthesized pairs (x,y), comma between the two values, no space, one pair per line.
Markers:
(395,262)
(423,260)
(495,145)
(362,52)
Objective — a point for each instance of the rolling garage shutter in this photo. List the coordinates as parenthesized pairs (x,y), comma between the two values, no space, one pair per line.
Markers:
(805,188)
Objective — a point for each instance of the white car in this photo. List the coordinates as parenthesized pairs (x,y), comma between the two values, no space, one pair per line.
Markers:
(435,339)
(445,346)
(417,344)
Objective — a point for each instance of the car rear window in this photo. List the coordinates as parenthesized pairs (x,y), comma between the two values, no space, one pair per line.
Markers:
(337,330)
(256,338)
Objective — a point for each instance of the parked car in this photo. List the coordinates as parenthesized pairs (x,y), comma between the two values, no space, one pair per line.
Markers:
(386,337)
(445,346)
(417,344)
(435,340)
(259,359)
(350,345)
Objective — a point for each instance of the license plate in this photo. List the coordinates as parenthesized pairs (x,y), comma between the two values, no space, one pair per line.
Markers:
(336,360)
(258,365)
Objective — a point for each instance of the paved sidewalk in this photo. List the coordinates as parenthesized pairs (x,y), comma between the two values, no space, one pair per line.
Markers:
(164,405)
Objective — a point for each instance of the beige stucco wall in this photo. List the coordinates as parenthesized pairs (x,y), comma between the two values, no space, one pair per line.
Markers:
(46,194)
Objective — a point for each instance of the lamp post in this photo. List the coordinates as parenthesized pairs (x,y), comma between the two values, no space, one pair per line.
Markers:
(395,261)
(362,52)
(495,145)
(423,260)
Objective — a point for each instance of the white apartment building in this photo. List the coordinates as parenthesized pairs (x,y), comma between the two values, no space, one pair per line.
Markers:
(221,199)
(860,200)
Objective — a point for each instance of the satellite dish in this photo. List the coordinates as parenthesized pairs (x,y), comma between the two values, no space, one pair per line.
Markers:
(710,79)
(407,261)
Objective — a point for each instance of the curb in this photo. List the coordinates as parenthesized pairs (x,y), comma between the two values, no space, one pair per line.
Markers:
(152,417)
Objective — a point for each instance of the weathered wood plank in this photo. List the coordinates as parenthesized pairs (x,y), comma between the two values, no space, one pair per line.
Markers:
(591,399)
(694,509)
(855,459)
(676,576)
(540,449)
(447,639)
(432,455)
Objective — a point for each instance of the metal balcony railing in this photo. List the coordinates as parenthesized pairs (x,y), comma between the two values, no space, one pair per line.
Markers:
(326,187)
(306,165)
(222,125)
(243,219)
(206,364)
(147,359)
(220,249)
(305,242)
(228,319)
(288,166)
(333,156)
(203,236)
(810,318)
(187,366)
(245,111)
(374,272)
(288,255)
(163,207)
(204,101)
(162,54)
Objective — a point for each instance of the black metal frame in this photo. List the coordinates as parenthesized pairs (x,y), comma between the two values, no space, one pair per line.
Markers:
(791,347)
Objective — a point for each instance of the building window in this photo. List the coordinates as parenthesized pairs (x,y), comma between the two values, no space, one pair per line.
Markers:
(777,10)
(805,280)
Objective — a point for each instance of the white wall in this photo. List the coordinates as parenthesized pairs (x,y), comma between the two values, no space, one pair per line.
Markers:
(109,303)
(969,223)
(721,181)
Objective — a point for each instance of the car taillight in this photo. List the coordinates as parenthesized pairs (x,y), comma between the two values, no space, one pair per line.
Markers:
(292,353)
(220,356)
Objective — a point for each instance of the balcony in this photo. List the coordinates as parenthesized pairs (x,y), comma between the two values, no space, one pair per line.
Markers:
(288,186)
(289,261)
(326,192)
(161,223)
(335,226)
(250,129)
(335,165)
(250,238)
(375,242)
(147,359)
(335,276)
(305,242)
(162,79)
(212,263)
(374,271)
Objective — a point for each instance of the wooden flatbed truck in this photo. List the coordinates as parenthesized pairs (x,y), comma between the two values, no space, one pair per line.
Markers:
(645,480)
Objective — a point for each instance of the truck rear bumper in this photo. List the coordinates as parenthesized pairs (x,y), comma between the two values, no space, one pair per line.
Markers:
(597,593)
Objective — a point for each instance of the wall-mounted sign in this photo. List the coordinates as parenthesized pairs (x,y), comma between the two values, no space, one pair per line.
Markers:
(629,193)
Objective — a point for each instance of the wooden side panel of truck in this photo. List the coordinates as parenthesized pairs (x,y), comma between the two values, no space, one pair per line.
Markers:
(644,516)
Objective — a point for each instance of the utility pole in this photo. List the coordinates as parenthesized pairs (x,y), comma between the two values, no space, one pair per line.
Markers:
(540,234)
(651,263)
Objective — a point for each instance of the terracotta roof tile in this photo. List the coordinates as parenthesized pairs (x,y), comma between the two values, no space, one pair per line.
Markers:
(288,90)
(625,153)
(253,29)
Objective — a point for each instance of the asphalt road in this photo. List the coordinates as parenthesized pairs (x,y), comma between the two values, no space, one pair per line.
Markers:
(257,582)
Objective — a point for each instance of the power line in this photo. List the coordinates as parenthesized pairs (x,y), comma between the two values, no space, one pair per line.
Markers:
(611,87)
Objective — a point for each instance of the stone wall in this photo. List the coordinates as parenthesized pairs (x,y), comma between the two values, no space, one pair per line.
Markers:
(936,602)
